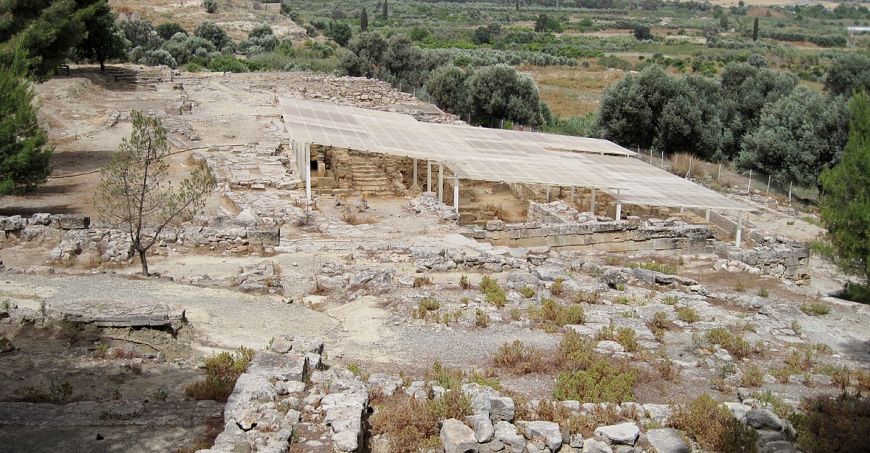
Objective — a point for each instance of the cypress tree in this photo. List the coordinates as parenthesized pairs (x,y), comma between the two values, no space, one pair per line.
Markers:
(386,13)
(24,153)
(363,20)
(755,30)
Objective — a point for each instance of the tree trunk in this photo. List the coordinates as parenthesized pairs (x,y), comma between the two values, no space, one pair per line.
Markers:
(102,65)
(144,262)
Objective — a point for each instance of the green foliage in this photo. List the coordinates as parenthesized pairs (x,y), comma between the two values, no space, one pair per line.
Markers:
(642,33)
(227,63)
(221,372)
(688,315)
(528,292)
(670,113)
(481,319)
(552,314)
(215,34)
(411,424)
(56,393)
(24,149)
(546,23)
(447,86)
(500,92)
(848,74)
(105,39)
(363,21)
(134,194)
(797,137)
(656,266)
(600,382)
(713,427)
(339,32)
(519,358)
(845,202)
(833,424)
(167,30)
(736,345)
(426,305)
(210,6)
(48,29)
(815,309)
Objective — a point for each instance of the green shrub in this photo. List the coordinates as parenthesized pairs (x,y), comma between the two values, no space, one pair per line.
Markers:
(627,337)
(411,424)
(833,424)
(687,315)
(556,287)
(422,281)
(481,319)
(815,309)
(752,376)
(426,305)
(494,293)
(221,372)
(226,63)
(463,282)
(519,358)
(55,393)
(552,314)
(587,297)
(528,292)
(736,345)
(713,427)
(601,382)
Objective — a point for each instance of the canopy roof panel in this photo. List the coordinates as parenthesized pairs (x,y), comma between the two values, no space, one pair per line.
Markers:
(499,155)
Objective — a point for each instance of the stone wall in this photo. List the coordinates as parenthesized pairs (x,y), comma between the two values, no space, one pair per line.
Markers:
(75,237)
(285,400)
(565,227)
(775,255)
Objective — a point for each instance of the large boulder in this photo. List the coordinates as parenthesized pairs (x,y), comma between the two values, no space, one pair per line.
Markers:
(763,419)
(457,438)
(667,440)
(596,446)
(482,426)
(506,433)
(620,434)
(547,432)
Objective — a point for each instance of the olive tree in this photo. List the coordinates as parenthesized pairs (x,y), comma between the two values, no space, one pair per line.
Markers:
(134,193)
(845,203)
(797,136)
(849,73)
(447,86)
(500,92)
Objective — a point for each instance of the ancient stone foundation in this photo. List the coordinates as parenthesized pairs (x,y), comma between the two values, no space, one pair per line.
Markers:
(558,225)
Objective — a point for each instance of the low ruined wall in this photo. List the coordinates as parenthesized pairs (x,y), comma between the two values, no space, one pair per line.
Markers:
(776,256)
(74,236)
(559,225)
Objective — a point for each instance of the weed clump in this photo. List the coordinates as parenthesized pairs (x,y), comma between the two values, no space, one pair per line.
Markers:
(221,372)
(553,315)
(713,426)
(411,424)
(463,282)
(57,393)
(556,287)
(528,292)
(833,424)
(426,305)
(688,315)
(752,376)
(422,281)
(815,309)
(601,382)
(736,345)
(494,293)
(481,319)
(519,358)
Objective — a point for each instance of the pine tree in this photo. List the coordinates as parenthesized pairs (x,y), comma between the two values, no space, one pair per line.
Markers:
(134,194)
(845,204)
(24,153)
(105,39)
(363,20)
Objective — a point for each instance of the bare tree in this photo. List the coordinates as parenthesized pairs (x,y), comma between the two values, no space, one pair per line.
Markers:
(135,195)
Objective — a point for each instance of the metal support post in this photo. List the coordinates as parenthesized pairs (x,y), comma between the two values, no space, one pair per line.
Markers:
(739,229)
(749,184)
(768,185)
(440,183)
(618,211)
(573,189)
(456,192)
(415,173)
(308,171)
(707,215)
(548,193)
(592,205)
(428,176)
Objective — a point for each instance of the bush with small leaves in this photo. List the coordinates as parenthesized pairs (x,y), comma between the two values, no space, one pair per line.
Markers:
(211,6)
(463,282)
(753,376)
(601,382)
(221,372)
(687,315)
(528,292)
(481,319)
(713,426)
(556,287)
(519,358)
(426,305)
(815,309)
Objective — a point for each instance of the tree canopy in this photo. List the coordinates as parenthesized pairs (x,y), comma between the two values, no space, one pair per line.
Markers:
(849,73)
(24,153)
(48,29)
(845,201)
(797,136)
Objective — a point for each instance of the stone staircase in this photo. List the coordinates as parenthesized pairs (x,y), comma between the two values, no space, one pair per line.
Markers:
(368,179)
(124,78)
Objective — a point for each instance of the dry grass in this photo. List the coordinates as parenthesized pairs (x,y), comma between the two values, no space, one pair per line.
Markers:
(569,92)
(518,358)
(552,315)
(411,424)
(683,164)
(713,426)
(833,424)
(221,372)
(352,217)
